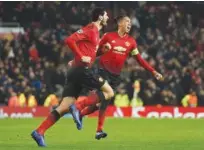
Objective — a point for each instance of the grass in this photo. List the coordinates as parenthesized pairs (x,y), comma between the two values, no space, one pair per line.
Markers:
(123,134)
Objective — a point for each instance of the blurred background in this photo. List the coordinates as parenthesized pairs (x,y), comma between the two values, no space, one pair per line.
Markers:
(33,58)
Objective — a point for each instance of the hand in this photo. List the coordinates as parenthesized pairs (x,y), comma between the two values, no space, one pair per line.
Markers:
(70,63)
(107,46)
(158,76)
(86,59)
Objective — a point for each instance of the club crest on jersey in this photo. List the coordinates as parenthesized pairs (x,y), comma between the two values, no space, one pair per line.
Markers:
(127,44)
(113,41)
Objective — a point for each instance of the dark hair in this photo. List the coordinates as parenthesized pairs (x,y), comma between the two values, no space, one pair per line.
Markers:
(97,12)
(120,17)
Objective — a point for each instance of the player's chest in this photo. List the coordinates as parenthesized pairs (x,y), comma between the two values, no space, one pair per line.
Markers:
(120,46)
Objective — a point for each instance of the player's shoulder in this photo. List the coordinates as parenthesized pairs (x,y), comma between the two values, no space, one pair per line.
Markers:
(109,33)
(90,27)
(131,39)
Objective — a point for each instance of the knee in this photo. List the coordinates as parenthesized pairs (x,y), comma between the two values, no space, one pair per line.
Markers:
(110,94)
(64,105)
(107,91)
(62,109)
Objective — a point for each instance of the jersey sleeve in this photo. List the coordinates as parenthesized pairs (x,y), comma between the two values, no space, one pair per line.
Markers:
(135,50)
(140,60)
(101,49)
(72,40)
(104,40)
(80,35)
(92,36)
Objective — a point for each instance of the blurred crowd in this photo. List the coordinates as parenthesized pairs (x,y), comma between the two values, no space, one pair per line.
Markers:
(169,36)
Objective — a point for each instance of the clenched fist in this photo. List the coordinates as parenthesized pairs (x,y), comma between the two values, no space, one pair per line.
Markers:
(158,76)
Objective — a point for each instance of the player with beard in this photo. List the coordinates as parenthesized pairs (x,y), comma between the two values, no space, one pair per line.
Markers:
(84,44)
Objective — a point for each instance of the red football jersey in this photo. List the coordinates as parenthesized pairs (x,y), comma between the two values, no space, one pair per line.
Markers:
(114,60)
(87,41)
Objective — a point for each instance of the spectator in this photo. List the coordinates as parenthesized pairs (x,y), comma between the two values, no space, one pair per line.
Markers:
(32,102)
(135,21)
(22,100)
(121,99)
(13,101)
(51,101)
(190,100)
(33,52)
(135,102)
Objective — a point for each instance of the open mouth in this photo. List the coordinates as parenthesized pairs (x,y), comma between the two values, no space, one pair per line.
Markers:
(128,28)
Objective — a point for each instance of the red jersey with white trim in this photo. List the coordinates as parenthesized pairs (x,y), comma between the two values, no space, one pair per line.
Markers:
(114,60)
(84,42)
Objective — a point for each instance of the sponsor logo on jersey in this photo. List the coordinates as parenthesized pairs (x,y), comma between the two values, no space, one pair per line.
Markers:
(119,49)
(113,41)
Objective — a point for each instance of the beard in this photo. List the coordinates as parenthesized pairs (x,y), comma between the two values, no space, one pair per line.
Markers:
(103,23)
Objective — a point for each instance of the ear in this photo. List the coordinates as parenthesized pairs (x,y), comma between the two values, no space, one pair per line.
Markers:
(100,18)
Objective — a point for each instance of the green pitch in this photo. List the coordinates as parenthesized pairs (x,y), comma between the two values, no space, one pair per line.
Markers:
(123,134)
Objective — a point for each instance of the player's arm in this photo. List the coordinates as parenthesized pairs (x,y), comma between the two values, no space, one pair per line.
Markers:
(104,45)
(141,61)
(72,40)
(144,63)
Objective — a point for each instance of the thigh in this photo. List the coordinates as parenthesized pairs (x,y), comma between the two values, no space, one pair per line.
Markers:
(104,74)
(113,80)
(72,86)
(71,90)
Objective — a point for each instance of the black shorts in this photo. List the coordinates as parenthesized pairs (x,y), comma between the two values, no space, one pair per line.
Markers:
(113,80)
(79,78)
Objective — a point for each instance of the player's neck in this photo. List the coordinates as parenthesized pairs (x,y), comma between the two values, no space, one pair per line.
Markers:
(98,25)
(121,33)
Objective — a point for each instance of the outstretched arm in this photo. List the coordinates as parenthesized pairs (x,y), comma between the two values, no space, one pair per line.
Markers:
(146,65)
